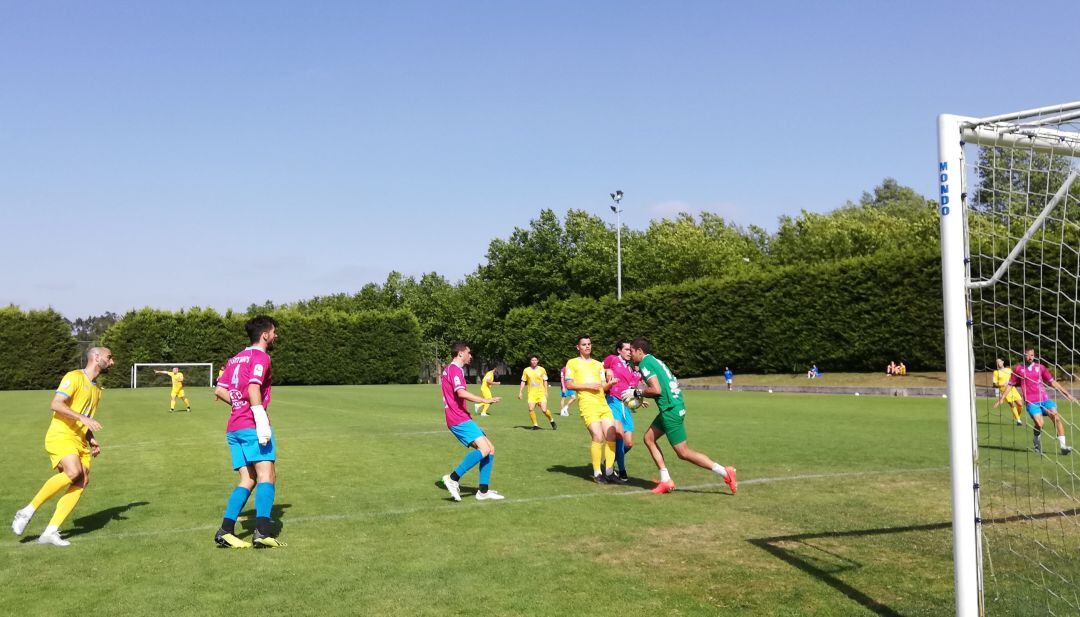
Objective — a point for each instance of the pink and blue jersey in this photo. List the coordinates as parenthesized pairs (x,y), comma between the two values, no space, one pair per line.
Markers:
(251,366)
(1031,378)
(453,381)
(627,377)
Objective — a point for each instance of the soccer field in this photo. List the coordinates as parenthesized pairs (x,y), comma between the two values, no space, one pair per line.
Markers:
(843,509)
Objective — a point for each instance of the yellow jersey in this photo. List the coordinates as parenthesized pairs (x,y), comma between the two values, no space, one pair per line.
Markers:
(82,396)
(580,371)
(534,377)
(1001,377)
(489,378)
(177,381)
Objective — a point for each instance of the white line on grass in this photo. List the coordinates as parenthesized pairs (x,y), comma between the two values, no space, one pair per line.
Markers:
(447,507)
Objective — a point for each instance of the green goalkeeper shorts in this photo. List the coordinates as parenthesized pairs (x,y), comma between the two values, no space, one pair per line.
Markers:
(670,423)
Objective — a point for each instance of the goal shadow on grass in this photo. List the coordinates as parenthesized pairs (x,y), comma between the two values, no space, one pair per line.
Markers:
(826,565)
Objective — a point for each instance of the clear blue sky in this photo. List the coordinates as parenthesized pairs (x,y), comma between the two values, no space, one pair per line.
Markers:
(218,154)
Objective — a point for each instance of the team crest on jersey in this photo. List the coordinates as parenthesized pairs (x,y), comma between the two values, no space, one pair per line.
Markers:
(258,370)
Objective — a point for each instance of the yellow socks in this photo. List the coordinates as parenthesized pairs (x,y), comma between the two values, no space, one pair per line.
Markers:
(548,414)
(1016,413)
(50,489)
(609,454)
(65,505)
(596,450)
(532,416)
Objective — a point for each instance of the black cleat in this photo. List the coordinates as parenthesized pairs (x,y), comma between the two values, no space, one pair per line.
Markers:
(621,478)
(553,426)
(1066,450)
(534,428)
(225,539)
(599,479)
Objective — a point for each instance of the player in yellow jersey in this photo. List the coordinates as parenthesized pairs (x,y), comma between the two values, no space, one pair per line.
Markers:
(588,378)
(535,376)
(70,444)
(485,391)
(1013,398)
(177,388)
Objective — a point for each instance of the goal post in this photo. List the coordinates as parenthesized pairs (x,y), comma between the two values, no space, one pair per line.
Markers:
(1009,208)
(141,372)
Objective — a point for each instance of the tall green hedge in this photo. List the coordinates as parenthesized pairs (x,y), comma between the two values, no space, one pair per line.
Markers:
(38,349)
(314,349)
(852,315)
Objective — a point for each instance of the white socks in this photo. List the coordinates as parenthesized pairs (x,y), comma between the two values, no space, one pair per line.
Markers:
(51,529)
(1061,440)
(664,476)
(718,468)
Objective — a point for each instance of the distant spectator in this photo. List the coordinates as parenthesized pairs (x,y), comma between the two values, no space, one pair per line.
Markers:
(891,369)
(813,373)
(901,370)
(728,376)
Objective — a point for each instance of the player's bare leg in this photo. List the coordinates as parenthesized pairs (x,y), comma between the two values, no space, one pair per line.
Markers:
(544,408)
(665,485)
(1060,426)
(690,455)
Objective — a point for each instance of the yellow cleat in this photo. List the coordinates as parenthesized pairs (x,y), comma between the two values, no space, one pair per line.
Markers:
(227,540)
(262,541)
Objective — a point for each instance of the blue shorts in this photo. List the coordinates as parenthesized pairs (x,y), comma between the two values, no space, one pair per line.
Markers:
(1038,409)
(244,448)
(568,394)
(467,432)
(621,413)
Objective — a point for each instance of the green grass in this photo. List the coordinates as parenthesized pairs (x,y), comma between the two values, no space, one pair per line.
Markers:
(843,509)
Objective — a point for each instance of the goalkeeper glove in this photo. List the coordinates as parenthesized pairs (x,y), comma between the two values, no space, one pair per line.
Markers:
(262,424)
(628,394)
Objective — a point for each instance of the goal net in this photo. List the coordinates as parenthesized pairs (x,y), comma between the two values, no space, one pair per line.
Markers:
(196,374)
(1010,224)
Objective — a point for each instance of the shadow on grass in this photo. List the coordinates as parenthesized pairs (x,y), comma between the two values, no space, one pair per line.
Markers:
(527,427)
(1004,448)
(96,521)
(463,490)
(828,565)
(585,473)
(276,513)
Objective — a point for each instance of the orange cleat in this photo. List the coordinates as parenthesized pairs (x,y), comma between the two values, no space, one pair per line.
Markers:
(664,487)
(732,483)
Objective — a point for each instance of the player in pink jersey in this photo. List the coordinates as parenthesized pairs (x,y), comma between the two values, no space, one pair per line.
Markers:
(481,450)
(245,386)
(1032,379)
(618,369)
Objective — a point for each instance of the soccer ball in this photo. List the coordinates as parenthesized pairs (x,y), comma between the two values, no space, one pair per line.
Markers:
(634,403)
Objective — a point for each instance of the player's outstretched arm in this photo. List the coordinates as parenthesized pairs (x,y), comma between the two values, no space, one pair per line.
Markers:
(474,398)
(1060,388)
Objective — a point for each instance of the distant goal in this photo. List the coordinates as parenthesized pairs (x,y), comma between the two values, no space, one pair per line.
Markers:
(195,374)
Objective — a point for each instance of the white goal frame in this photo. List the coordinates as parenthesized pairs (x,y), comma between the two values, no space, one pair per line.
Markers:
(1023,128)
(135,369)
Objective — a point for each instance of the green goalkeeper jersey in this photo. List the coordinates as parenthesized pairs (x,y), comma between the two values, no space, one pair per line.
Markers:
(670,398)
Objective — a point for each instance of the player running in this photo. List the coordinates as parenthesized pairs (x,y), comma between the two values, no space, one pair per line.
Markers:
(177,388)
(70,444)
(588,379)
(662,385)
(246,386)
(728,377)
(482,451)
(1033,377)
(622,377)
(1012,397)
(536,377)
(567,397)
(485,391)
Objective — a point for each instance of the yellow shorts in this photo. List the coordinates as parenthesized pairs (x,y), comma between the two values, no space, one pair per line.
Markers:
(485,392)
(591,414)
(537,396)
(178,394)
(59,446)
(1013,397)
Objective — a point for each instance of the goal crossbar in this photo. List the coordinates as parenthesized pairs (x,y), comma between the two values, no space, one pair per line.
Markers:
(135,369)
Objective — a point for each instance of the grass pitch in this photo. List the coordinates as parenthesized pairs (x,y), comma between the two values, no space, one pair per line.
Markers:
(843,509)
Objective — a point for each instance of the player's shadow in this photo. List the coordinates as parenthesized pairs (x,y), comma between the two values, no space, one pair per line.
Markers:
(1004,448)
(585,472)
(276,514)
(799,550)
(97,520)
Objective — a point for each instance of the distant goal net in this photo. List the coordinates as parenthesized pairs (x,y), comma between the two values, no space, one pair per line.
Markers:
(1010,231)
(148,375)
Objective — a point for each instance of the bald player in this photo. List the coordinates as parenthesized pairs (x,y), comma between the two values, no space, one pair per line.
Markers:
(177,390)
(70,444)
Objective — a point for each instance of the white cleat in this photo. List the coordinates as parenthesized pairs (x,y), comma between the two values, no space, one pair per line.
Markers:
(483,415)
(22,517)
(452,487)
(564,413)
(52,538)
(489,495)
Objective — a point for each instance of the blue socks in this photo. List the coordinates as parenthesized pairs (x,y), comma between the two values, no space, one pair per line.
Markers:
(264,499)
(486,464)
(233,507)
(620,454)
(471,459)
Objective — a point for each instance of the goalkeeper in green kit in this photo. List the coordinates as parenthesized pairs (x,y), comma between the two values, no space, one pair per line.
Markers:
(659,383)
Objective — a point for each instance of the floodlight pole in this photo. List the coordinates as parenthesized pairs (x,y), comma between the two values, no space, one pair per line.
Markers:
(617,197)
